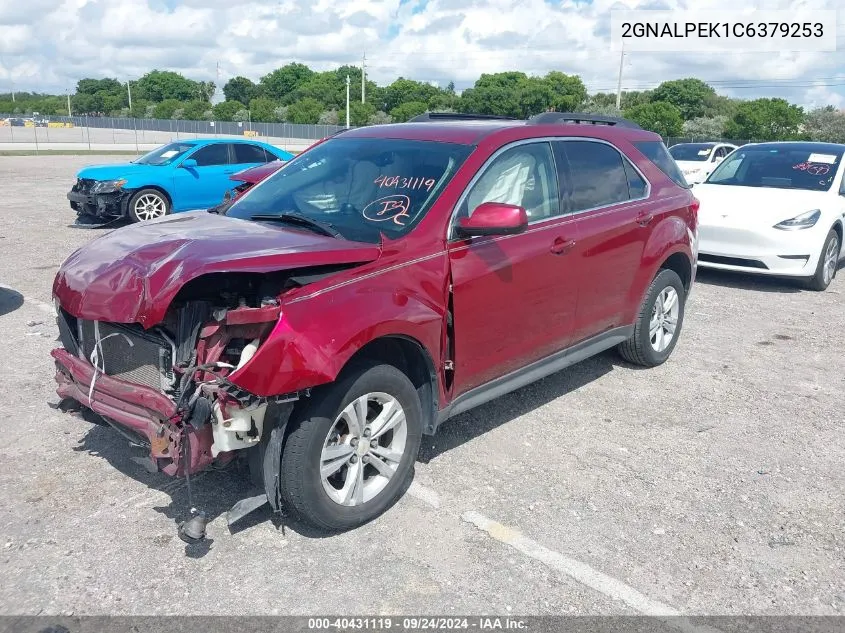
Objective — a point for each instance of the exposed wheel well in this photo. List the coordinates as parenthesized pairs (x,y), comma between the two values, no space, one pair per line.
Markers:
(679,263)
(409,357)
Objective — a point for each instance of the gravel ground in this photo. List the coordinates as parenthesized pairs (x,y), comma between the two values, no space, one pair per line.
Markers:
(710,485)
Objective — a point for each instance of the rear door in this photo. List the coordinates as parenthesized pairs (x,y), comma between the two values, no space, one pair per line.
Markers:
(203,186)
(607,195)
(248,155)
(513,296)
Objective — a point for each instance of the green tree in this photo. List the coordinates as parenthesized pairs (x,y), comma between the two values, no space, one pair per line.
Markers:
(567,91)
(408,110)
(166,108)
(305,111)
(282,82)
(689,96)
(262,109)
(380,118)
(226,110)
(496,93)
(158,85)
(406,90)
(765,120)
(329,117)
(360,113)
(139,108)
(657,116)
(706,127)
(241,115)
(194,110)
(323,87)
(826,124)
(240,89)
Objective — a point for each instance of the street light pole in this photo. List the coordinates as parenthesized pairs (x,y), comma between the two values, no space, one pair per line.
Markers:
(619,81)
(129,90)
(364,78)
(69,113)
(347,102)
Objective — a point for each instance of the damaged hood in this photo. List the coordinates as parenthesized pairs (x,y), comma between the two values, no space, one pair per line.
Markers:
(132,274)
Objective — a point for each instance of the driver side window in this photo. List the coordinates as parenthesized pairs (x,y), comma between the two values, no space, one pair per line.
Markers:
(524,176)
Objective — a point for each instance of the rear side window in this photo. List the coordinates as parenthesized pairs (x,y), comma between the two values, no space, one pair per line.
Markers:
(245,153)
(657,153)
(636,184)
(596,173)
(216,154)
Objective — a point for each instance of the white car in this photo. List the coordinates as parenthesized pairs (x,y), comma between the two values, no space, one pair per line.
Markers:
(775,209)
(698,160)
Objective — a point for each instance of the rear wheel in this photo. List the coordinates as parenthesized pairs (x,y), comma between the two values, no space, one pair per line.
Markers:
(828,263)
(658,323)
(148,204)
(350,454)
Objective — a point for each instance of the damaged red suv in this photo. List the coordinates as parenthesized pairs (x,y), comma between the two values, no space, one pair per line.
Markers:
(384,281)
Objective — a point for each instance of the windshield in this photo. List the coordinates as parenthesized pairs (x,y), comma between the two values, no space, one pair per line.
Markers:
(808,167)
(165,154)
(360,187)
(691,151)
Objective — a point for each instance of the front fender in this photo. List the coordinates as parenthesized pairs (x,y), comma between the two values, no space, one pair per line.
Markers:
(316,336)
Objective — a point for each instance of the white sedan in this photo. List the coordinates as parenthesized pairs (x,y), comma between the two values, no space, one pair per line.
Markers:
(698,160)
(775,209)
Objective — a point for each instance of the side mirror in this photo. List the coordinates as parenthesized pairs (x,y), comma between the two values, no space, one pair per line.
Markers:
(189,163)
(494,218)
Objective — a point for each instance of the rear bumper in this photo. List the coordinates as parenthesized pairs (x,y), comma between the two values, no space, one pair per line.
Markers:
(106,205)
(148,413)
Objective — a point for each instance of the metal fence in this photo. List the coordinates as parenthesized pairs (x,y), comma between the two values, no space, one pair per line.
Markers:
(674,140)
(178,127)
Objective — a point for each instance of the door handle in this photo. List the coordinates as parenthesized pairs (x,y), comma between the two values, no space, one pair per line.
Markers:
(561,246)
(643,219)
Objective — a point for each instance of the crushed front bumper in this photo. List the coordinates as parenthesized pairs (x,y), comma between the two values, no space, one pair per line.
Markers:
(145,412)
(102,205)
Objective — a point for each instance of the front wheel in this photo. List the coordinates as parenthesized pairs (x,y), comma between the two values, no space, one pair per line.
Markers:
(148,204)
(658,323)
(350,454)
(828,262)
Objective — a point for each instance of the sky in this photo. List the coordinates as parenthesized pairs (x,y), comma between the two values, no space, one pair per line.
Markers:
(47,45)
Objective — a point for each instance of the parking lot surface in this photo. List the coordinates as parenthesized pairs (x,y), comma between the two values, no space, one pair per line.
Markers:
(712,484)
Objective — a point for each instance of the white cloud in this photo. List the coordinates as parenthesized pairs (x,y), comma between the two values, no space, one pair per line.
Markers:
(60,41)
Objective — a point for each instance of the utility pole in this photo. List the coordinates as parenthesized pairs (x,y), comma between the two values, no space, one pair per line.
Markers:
(347,101)
(619,82)
(129,90)
(364,78)
(69,113)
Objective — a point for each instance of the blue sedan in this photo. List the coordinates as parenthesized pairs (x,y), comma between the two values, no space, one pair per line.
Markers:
(180,176)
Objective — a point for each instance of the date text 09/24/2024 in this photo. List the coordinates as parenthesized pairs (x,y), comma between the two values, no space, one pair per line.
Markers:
(483,623)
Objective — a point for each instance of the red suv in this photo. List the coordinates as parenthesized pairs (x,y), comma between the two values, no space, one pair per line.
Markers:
(383,281)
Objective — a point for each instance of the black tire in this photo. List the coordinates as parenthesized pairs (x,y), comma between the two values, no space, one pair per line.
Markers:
(638,349)
(132,211)
(300,479)
(817,282)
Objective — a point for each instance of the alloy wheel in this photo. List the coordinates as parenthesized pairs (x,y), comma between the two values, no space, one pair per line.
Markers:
(150,206)
(664,319)
(831,259)
(363,449)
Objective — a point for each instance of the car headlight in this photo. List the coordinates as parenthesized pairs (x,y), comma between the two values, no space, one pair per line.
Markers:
(108,186)
(803,221)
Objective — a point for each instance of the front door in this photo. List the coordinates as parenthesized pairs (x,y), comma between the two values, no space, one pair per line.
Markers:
(205,185)
(513,296)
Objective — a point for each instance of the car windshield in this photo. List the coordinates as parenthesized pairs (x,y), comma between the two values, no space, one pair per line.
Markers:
(359,187)
(799,166)
(691,151)
(164,155)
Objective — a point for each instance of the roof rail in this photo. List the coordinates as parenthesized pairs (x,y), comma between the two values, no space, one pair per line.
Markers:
(581,117)
(458,116)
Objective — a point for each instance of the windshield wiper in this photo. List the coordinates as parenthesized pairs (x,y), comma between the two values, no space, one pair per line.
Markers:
(324,228)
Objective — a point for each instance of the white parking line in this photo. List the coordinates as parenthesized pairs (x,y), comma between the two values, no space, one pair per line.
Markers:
(584,574)
(426,495)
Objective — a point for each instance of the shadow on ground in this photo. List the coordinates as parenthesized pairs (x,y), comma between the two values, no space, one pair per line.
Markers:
(10,300)
(472,424)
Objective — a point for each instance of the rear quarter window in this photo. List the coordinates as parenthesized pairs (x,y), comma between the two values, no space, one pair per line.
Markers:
(657,153)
